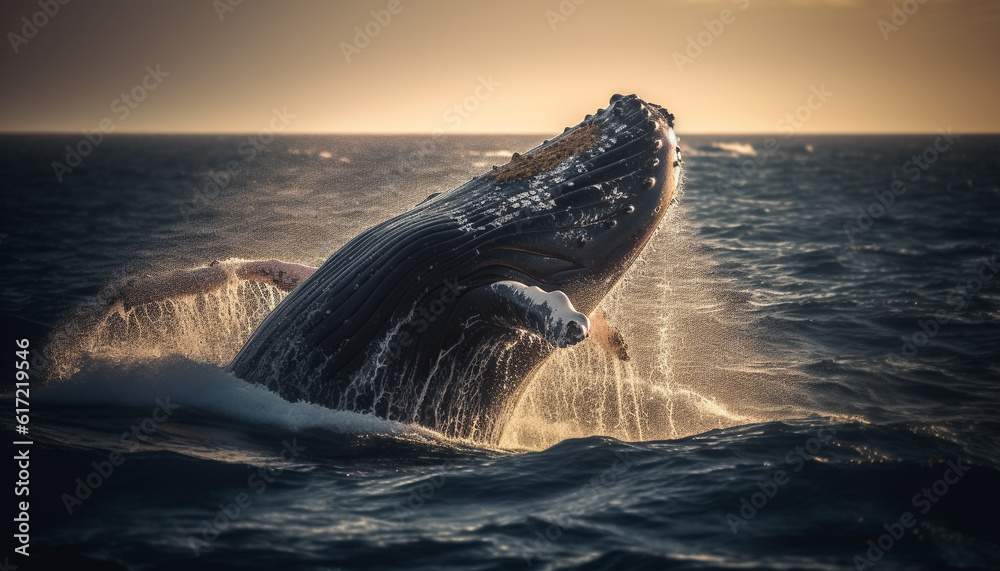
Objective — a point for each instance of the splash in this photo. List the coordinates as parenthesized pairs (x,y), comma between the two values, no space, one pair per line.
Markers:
(692,366)
(207,327)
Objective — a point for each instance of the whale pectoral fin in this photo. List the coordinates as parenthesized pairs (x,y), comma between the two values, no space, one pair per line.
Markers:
(514,305)
(607,336)
(180,283)
(282,275)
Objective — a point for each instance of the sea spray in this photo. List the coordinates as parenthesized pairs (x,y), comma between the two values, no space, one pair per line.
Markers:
(205,327)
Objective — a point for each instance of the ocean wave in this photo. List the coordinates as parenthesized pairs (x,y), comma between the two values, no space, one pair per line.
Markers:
(735,149)
(208,388)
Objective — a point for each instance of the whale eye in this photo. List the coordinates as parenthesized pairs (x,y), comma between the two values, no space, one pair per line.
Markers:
(657,145)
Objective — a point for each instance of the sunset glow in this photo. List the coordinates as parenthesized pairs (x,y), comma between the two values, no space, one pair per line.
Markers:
(384,66)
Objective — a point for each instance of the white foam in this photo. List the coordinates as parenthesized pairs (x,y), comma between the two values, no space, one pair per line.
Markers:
(207,388)
(736,149)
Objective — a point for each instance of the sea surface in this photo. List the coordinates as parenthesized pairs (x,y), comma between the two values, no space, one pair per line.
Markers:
(815,332)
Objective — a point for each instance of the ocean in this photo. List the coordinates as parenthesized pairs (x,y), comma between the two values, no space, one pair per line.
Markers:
(815,341)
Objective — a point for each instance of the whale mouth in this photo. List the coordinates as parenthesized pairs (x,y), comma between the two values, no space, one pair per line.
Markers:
(537,267)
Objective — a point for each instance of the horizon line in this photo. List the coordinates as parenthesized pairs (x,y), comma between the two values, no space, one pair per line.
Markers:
(485,133)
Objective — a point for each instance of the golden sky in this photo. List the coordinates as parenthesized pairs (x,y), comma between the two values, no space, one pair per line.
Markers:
(513,66)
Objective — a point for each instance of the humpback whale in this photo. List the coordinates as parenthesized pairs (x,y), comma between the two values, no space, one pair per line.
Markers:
(439,315)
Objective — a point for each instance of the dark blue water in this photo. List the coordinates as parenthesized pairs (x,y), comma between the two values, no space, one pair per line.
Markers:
(815,386)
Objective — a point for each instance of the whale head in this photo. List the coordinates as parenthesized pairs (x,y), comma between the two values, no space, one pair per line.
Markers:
(574,213)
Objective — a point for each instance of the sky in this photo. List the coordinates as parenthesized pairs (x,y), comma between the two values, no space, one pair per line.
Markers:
(512,66)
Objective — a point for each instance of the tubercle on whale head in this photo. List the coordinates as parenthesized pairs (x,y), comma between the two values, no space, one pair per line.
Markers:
(543,159)
(574,140)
